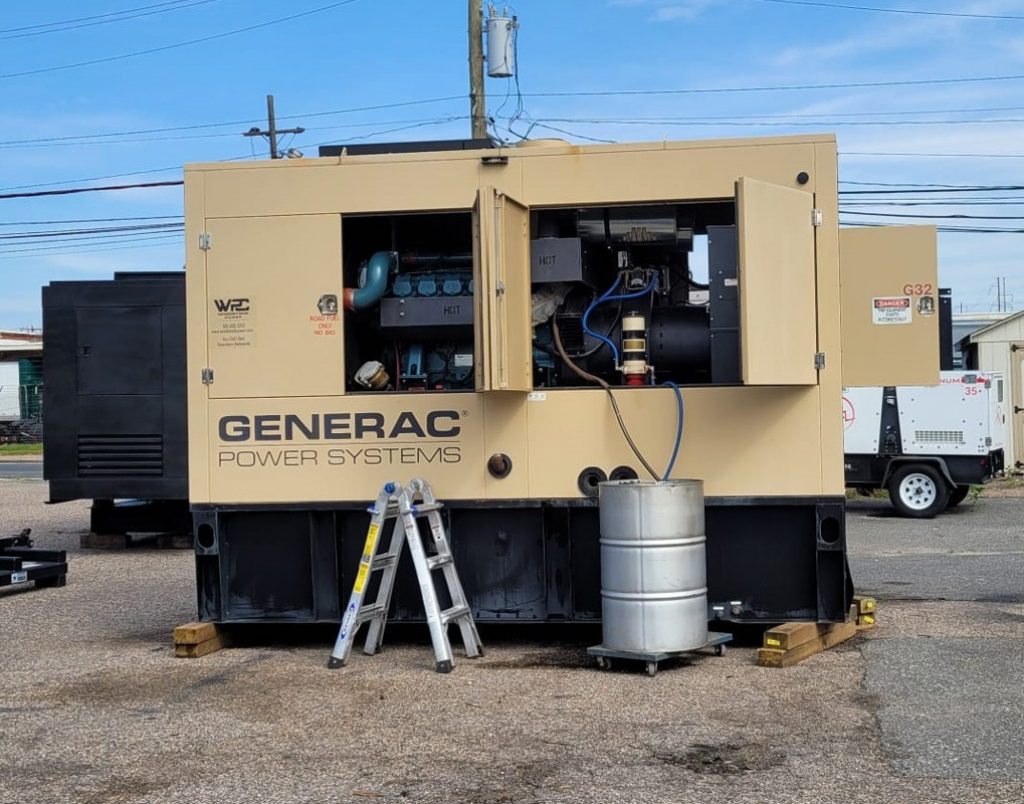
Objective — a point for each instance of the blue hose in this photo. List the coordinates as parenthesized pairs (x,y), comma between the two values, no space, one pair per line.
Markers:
(679,428)
(607,296)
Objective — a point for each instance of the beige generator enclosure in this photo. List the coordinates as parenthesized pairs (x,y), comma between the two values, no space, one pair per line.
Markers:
(454,314)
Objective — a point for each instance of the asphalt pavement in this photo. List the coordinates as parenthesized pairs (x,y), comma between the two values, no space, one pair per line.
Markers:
(949,684)
(926,707)
(21,469)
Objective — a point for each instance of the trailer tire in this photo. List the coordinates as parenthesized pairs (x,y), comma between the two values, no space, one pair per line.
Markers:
(918,490)
(958,495)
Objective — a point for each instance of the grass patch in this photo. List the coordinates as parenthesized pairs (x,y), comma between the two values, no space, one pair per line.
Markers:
(20,449)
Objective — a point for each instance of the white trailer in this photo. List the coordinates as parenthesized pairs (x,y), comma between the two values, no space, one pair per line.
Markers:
(926,444)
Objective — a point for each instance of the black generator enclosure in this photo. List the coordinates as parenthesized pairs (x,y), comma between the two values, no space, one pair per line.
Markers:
(114,405)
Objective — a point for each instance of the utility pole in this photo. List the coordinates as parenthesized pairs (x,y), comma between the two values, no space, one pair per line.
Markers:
(476,69)
(272,129)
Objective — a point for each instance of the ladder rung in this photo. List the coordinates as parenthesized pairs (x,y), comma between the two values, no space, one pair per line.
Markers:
(369,612)
(422,509)
(453,613)
(383,561)
(438,561)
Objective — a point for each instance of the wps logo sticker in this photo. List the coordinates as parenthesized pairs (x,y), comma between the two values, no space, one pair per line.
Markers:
(232,305)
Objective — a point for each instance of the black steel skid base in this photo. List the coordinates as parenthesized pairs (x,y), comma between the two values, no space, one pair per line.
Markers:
(20,563)
(652,659)
(140,516)
(769,559)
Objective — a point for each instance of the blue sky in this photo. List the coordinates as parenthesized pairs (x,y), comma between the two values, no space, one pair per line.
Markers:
(376,52)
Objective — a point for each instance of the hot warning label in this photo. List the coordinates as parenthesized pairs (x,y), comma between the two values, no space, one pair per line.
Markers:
(891,310)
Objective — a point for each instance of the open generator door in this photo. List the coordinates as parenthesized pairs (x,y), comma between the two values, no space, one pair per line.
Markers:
(777,280)
(889,306)
(504,343)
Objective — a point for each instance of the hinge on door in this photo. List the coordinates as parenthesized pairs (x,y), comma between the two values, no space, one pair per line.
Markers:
(819,361)
(207,375)
(816,217)
(205,241)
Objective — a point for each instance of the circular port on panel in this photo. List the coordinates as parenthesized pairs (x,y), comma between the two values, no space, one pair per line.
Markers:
(802,177)
(204,536)
(830,530)
(589,480)
(499,465)
(623,473)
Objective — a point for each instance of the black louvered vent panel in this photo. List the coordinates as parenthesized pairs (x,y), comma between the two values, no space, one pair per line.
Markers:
(133,455)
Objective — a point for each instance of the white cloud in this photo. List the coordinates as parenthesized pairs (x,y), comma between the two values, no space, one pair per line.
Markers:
(669,10)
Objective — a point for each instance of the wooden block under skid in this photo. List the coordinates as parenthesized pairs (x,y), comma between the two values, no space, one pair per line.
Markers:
(865,605)
(791,635)
(187,651)
(193,640)
(194,633)
(836,633)
(104,541)
(865,621)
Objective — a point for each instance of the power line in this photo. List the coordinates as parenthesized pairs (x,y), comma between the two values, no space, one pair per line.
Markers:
(92,17)
(931,217)
(965,229)
(176,6)
(1001,202)
(976,189)
(902,184)
(250,120)
(74,190)
(54,251)
(780,88)
(57,233)
(162,48)
(885,10)
(88,220)
(85,140)
(764,123)
(929,156)
(175,168)
(79,242)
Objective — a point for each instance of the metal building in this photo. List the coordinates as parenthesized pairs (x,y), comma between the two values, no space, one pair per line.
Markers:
(1000,347)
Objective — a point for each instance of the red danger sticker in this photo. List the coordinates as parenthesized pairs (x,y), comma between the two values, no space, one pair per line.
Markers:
(891,310)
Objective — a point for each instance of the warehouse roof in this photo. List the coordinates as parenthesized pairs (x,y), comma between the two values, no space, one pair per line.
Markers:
(1013,317)
(14,344)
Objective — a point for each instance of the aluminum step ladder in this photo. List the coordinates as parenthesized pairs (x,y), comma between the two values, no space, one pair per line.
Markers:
(399,503)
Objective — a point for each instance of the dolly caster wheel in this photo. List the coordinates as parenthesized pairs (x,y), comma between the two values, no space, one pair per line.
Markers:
(604,663)
(652,668)
(719,650)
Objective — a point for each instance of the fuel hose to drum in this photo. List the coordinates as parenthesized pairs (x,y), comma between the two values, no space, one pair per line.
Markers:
(679,428)
(608,296)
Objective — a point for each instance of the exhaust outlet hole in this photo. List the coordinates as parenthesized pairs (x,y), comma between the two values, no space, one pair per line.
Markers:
(204,536)
(589,480)
(829,531)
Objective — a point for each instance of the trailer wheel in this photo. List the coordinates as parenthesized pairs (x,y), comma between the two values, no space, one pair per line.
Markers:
(918,490)
(958,495)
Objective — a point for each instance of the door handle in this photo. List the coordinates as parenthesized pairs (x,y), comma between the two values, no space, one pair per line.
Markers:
(1018,409)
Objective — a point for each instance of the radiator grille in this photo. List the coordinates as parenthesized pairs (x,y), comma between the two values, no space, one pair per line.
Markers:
(939,436)
(110,455)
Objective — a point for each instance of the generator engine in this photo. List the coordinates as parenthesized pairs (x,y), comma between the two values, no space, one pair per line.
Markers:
(613,294)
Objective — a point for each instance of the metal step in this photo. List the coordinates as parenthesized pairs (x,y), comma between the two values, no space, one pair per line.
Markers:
(439,561)
(454,613)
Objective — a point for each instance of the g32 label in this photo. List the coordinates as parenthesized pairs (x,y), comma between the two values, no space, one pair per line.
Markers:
(919,289)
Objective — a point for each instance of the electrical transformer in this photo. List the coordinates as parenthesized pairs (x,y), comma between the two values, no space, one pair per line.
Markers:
(517,325)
